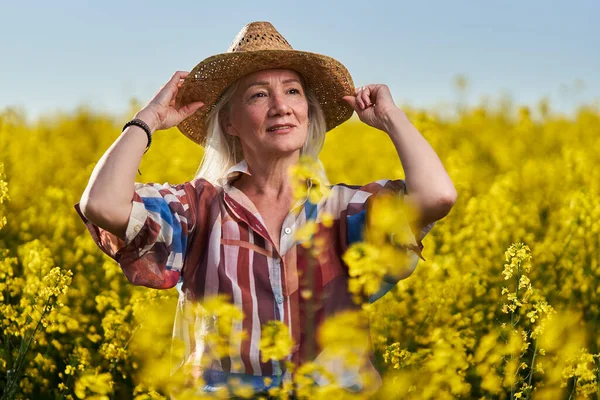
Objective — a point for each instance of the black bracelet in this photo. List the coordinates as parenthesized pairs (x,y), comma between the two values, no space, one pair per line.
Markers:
(144,126)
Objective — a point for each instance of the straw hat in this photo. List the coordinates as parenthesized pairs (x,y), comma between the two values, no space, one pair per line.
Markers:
(256,47)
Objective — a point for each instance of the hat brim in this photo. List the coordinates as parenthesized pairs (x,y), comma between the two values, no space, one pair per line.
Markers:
(327,77)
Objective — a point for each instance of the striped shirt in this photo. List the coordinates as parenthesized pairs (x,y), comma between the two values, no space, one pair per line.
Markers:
(209,239)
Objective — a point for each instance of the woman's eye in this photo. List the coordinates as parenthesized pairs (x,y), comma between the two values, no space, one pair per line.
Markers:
(294,91)
(259,94)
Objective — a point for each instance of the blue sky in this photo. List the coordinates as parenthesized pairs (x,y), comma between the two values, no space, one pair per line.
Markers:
(58,55)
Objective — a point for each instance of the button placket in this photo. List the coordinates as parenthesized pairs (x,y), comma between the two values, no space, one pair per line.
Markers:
(277,288)
(286,239)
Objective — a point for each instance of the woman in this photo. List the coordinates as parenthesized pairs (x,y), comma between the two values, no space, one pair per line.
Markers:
(230,230)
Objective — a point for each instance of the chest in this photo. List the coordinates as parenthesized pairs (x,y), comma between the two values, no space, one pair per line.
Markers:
(273,213)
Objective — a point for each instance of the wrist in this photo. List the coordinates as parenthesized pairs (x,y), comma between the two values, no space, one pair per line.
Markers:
(150,118)
(394,120)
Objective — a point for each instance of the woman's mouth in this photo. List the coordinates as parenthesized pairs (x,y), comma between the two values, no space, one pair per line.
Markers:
(280,128)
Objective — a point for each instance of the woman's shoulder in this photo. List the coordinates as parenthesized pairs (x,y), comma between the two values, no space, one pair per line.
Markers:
(203,188)
(201,183)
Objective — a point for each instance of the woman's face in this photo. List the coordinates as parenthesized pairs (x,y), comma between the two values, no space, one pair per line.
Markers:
(269,113)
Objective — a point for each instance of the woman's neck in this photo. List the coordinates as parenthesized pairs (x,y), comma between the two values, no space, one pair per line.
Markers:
(269,176)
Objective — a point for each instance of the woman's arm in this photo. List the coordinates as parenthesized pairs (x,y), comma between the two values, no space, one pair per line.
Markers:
(107,199)
(428,185)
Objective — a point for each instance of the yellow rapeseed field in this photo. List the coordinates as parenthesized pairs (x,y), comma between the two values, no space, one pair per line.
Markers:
(506,305)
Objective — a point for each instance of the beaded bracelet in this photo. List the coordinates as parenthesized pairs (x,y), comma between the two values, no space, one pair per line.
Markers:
(145,127)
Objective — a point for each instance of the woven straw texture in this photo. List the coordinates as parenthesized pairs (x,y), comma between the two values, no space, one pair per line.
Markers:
(256,47)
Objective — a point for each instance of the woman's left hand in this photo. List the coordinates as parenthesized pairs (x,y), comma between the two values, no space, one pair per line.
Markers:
(374,105)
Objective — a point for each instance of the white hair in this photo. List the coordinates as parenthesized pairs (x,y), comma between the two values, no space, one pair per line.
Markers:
(222,151)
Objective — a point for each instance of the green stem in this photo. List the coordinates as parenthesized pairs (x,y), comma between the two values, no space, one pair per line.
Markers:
(512,315)
(7,348)
(574,388)
(67,384)
(8,353)
(11,385)
(113,365)
(512,320)
(532,368)
(137,328)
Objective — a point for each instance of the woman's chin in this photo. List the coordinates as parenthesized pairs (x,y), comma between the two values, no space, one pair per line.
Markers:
(282,151)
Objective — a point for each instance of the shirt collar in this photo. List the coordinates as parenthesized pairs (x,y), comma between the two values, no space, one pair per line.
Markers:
(234,172)
(242,168)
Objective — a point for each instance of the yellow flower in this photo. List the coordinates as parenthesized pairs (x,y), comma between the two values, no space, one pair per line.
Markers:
(96,384)
(309,180)
(275,342)
(365,268)
(305,234)
(327,219)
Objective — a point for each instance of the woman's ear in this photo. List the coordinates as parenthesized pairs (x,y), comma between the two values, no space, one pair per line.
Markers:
(229,128)
(226,125)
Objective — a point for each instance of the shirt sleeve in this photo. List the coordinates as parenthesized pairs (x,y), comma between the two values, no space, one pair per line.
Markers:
(162,220)
(354,218)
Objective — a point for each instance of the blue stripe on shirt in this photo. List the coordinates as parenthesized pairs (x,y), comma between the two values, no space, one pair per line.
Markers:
(216,380)
(310,211)
(356,226)
(160,206)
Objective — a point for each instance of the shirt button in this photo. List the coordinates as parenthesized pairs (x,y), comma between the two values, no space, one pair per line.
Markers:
(287,231)
(279,298)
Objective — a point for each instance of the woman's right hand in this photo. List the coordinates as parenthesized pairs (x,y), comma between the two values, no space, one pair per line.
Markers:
(160,112)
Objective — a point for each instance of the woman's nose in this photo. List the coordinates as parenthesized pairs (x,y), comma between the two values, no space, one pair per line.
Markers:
(279,105)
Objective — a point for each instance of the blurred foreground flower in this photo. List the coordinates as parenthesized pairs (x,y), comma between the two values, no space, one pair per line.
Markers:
(309,180)
(386,249)
(275,342)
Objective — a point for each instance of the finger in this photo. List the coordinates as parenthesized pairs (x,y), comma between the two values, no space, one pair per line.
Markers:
(180,75)
(359,100)
(352,101)
(366,96)
(168,90)
(190,109)
(381,93)
(177,77)
(359,103)
(174,92)
(173,98)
